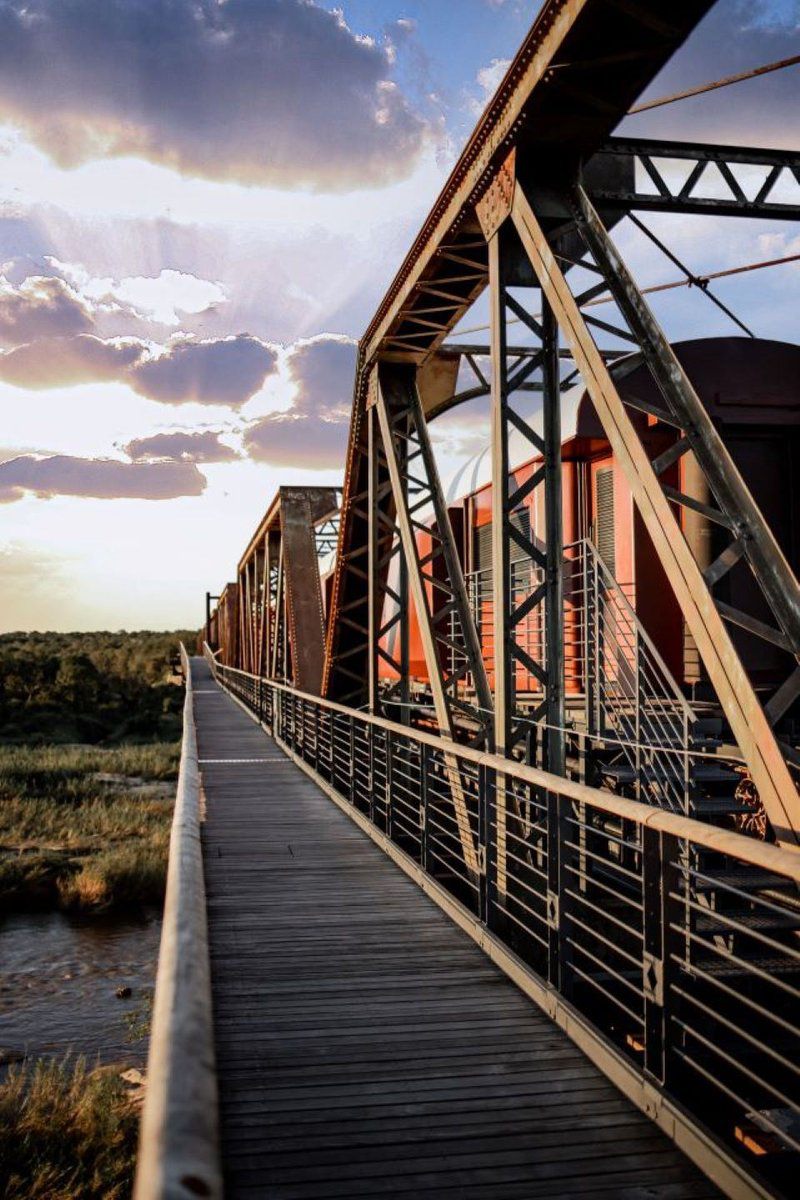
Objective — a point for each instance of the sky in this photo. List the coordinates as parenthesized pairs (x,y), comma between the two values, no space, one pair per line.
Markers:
(201,205)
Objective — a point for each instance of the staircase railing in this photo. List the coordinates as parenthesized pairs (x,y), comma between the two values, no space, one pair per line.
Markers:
(635,702)
(631,703)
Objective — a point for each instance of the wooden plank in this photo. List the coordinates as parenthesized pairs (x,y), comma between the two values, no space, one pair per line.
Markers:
(365,1045)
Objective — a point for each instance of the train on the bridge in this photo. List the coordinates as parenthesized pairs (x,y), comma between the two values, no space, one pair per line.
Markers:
(751,389)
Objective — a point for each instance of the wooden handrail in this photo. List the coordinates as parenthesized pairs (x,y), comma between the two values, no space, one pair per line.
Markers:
(179,1138)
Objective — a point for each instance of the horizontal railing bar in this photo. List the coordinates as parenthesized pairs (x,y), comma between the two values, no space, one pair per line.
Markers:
(779,859)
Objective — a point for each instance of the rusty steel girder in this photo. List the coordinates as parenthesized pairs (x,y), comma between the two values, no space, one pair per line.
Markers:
(577,73)
(271,621)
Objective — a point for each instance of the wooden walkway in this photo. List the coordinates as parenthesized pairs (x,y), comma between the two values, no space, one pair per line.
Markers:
(365,1045)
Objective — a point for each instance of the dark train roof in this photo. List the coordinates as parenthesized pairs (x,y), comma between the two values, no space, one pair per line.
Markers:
(741,381)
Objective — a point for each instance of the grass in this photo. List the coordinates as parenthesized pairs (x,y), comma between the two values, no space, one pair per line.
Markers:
(66,1133)
(85,829)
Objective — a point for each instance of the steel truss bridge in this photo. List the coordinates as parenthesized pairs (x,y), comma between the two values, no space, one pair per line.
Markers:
(626,856)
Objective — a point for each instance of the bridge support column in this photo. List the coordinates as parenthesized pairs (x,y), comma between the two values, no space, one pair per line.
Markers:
(733,688)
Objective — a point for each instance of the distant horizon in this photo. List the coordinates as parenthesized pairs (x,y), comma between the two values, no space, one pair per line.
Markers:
(182,286)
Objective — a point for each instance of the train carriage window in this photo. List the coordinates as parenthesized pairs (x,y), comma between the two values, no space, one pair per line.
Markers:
(605,530)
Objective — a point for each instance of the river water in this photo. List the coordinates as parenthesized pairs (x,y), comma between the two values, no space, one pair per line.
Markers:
(58,983)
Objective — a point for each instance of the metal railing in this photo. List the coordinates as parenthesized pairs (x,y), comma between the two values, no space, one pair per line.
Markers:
(671,943)
(622,693)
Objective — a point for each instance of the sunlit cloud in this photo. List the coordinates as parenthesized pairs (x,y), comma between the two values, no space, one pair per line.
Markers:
(219,371)
(165,298)
(278,92)
(314,429)
(69,361)
(488,80)
(40,307)
(201,446)
(99,478)
(224,371)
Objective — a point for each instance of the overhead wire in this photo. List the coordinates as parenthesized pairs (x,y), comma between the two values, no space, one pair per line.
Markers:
(694,280)
(753,73)
(691,280)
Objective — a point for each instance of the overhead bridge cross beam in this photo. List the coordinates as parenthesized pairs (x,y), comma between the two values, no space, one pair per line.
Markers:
(732,181)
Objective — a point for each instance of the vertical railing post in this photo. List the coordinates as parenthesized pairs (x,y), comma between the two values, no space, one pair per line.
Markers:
(353,775)
(423,805)
(664,916)
(371,742)
(597,649)
(653,952)
(553,890)
(559,857)
(586,638)
(487,843)
(676,919)
(638,715)
(388,817)
(686,773)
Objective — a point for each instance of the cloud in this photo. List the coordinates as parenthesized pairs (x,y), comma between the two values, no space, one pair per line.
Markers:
(65,362)
(215,371)
(99,478)
(323,368)
(218,371)
(291,441)
(273,92)
(488,79)
(40,307)
(164,298)
(314,431)
(181,447)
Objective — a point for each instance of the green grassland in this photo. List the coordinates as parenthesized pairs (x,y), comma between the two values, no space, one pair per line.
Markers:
(89,746)
(85,828)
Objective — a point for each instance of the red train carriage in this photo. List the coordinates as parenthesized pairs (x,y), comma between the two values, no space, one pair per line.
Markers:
(751,388)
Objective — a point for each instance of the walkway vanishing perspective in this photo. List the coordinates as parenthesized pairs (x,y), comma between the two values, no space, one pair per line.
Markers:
(365,1045)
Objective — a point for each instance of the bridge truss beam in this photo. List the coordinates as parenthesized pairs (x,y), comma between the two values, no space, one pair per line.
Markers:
(720,181)
(543,161)
(696,433)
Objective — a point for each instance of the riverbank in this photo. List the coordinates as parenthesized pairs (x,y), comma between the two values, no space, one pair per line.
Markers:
(83,828)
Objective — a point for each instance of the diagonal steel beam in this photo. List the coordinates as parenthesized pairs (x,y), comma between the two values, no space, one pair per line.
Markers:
(774,575)
(736,695)
(399,395)
(444,708)
(278,623)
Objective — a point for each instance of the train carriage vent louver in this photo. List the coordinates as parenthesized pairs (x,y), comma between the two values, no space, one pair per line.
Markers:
(521,521)
(605,518)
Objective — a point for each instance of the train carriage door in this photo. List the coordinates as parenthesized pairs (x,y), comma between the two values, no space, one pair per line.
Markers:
(611,521)
(605,529)
(611,530)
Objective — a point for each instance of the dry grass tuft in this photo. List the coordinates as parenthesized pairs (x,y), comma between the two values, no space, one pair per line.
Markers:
(66,1133)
